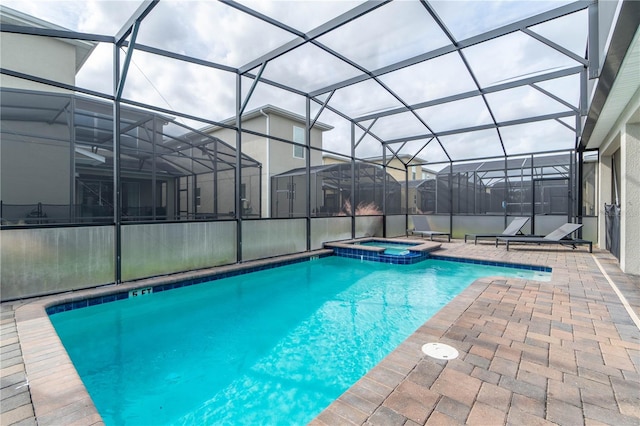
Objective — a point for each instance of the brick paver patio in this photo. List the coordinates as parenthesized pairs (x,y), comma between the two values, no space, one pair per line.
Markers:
(562,352)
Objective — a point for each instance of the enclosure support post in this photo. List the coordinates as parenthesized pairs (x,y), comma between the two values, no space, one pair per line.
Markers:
(570,204)
(592,46)
(117,213)
(353,180)
(533,197)
(384,192)
(154,188)
(475,190)
(238,180)
(72,158)
(506,191)
(522,190)
(436,200)
(307,136)
(580,168)
(451,196)
(406,199)
(194,192)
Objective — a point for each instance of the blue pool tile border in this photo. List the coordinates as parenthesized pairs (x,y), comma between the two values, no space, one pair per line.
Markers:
(99,300)
(351,253)
(490,263)
(415,257)
(373,256)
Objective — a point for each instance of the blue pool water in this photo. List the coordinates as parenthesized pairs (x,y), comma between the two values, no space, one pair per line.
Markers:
(269,347)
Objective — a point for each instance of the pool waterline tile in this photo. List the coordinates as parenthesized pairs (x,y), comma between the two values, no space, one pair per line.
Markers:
(411,258)
(113,297)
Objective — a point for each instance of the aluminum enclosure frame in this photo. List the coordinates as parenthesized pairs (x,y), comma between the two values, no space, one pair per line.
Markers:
(126,37)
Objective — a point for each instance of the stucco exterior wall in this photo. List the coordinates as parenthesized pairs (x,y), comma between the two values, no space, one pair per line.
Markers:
(275,156)
(630,195)
(35,171)
(42,57)
(623,141)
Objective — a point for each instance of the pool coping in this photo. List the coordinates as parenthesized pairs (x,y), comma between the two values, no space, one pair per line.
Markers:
(419,251)
(420,245)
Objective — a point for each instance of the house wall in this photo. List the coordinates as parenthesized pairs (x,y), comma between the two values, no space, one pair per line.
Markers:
(43,57)
(275,156)
(398,175)
(396,169)
(623,144)
(284,160)
(630,191)
(257,148)
(34,170)
(224,190)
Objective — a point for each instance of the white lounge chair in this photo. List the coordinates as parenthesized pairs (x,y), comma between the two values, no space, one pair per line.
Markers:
(559,236)
(421,227)
(513,229)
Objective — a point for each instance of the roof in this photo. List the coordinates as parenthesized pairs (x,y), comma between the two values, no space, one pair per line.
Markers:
(269,109)
(418,183)
(512,163)
(619,79)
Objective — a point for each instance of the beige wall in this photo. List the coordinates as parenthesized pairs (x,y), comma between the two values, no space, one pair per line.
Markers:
(275,156)
(34,170)
(43,57)
(630,195)
(623,141)
(400,175)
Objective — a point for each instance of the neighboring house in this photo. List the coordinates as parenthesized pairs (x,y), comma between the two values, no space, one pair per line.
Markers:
(57,146)
(331,187)
(396,166)
(420,177)
(275,156)
(44,57)
(48,58)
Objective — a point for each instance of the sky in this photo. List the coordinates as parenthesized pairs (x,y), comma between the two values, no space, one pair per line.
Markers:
(212,31)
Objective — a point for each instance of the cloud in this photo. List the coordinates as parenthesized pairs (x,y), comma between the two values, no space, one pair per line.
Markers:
(408,31)
(467,18)
(102,16)
(513,56)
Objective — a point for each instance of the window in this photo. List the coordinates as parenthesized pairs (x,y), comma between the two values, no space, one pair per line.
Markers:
(298,136)
(589,180)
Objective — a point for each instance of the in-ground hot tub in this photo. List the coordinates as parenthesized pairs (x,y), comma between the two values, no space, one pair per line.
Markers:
(386,250)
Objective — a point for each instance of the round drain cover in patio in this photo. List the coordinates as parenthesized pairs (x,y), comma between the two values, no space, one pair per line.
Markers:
(440,351)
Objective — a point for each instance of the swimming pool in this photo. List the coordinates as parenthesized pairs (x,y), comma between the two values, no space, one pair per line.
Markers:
(270,347)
